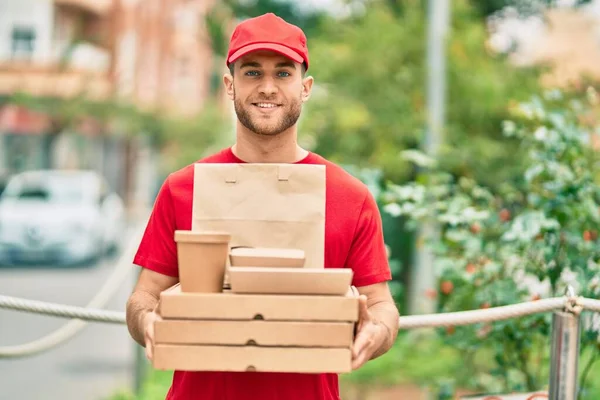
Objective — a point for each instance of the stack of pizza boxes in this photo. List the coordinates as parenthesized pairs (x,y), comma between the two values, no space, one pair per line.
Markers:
(267,312)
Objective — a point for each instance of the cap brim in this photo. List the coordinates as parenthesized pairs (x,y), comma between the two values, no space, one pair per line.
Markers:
(284,51)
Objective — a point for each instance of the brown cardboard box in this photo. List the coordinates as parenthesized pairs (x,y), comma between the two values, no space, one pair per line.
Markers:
(233,306)
(262,333)
(251,358)
(267,257)
(307,281)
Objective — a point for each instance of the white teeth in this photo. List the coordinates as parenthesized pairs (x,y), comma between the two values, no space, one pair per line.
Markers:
(266,105)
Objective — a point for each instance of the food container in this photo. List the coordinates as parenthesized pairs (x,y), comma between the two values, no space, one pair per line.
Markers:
(266,257)
(202,259)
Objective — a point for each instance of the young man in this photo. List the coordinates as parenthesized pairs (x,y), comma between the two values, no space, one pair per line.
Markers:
(268,59)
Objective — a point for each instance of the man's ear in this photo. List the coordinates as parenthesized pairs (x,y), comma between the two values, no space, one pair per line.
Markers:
(307,84)
(228,82)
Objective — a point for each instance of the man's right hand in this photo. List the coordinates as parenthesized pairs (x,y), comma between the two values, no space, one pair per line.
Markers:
(149,319)
(145,298)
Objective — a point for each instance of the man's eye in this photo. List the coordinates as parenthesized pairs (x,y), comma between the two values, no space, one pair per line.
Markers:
(284,74)
(252,73)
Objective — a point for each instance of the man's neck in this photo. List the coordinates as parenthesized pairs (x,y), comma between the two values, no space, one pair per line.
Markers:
(281,148)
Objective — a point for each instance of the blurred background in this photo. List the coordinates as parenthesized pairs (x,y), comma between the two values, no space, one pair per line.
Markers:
(474,122)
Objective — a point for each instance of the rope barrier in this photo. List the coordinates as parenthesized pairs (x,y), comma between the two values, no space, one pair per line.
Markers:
(590,304)
(406,322)
(60,310)
(484,315)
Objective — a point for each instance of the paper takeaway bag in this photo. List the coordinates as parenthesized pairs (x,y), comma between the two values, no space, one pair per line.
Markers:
(263,205)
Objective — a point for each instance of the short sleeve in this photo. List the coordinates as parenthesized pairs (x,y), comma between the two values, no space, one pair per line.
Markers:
(158,250)
(368,256)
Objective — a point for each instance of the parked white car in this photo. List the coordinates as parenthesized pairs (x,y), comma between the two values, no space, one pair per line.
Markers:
(64,217)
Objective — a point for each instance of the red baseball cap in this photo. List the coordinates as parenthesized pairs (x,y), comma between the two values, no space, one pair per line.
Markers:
(268,32)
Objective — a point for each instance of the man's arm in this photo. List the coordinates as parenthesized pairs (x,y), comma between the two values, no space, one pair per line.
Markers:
(142,303)
(384,312)
(377,325)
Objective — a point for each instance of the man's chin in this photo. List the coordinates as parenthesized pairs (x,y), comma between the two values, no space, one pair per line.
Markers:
(266,129)
(267,132)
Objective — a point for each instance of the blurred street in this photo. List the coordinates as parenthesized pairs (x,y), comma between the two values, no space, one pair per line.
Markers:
(92,365)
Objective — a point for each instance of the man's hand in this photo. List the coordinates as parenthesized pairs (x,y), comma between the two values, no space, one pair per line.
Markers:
(370,335)
(149,319)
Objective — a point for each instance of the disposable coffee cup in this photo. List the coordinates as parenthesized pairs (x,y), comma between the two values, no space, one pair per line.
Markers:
(202,258)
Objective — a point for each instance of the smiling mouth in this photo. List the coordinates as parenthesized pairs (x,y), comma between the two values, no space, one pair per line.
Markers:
(266,106)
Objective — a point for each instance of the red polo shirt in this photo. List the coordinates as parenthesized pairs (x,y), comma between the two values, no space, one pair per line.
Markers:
(353,239)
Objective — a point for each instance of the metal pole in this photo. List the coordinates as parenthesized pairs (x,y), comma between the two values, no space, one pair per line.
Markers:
(423,274)
(564,359)
(139,369)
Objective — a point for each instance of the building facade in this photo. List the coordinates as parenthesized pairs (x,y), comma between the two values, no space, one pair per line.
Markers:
(153,54)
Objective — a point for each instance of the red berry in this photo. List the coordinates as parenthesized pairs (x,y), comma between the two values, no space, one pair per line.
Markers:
(471,268)
(475,228)
(447,287)
(504,215)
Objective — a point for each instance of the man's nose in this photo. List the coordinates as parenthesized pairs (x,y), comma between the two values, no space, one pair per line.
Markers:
(268,87)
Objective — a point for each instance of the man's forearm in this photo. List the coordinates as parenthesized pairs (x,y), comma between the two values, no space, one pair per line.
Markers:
(139,304)
(386,316)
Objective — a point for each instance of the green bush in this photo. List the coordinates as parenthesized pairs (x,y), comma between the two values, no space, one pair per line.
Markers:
(154,387)
(528,239)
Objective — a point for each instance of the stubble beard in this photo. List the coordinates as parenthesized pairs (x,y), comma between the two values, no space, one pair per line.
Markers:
(289,119)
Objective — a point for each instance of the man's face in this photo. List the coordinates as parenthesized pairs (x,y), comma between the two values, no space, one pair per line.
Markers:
(268,91)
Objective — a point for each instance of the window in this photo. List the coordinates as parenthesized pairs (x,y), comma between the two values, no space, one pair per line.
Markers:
(23,42)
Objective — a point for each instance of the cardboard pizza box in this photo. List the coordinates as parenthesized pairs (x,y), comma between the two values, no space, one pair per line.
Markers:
(251,358)
(304,281)
(261,333)
(174,304)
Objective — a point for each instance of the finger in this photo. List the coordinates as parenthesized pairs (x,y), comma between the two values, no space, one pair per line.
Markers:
(363,310)
(149,351)
(362,341)
(149,345)
(363,313)
(360,360)
(363,351)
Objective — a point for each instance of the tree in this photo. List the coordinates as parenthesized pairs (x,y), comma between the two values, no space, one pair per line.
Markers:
(220,17)
(369,101)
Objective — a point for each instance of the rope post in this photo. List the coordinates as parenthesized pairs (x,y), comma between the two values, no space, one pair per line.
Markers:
(566,331)
(140,369)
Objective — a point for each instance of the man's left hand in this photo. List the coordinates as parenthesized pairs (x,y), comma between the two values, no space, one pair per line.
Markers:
(370,335)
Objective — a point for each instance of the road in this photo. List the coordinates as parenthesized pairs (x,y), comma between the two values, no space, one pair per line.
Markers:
(92,365)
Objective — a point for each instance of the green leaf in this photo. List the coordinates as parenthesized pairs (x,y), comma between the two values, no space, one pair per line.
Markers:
(529,225)
(418,158)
